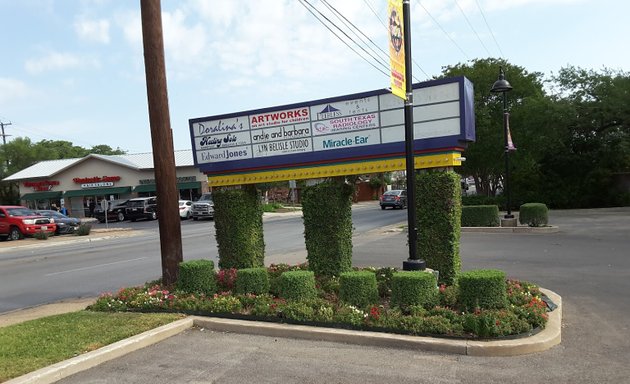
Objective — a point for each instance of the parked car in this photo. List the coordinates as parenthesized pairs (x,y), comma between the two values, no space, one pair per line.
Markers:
(17,222)
(203,207)
(185,211)
(64,223)
(396,198)
(115,211)
(141,208)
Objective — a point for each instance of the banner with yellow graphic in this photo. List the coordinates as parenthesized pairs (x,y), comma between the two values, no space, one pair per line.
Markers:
(397,48)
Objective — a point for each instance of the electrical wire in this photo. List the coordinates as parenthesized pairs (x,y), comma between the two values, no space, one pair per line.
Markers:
(473,28)
(489,29)
(306,2)
(443,30)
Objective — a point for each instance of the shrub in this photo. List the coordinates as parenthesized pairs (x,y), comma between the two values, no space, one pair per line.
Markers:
(533,214)
(239,229)
(358,288)
(480,216)
(327,213)
(41,235)
(276,270)
(84,230)
(483,288)
(252,280)
(414,288)
(438,209)
(197,276)
(297,285)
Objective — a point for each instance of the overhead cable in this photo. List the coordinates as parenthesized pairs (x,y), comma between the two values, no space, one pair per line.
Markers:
(473,28)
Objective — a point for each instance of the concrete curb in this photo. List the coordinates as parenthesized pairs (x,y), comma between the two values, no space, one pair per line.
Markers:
(539,342)
(548,229)
(89,360)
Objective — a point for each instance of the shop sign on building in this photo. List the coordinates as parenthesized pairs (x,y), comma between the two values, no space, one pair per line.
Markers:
(41,186)
(96,182)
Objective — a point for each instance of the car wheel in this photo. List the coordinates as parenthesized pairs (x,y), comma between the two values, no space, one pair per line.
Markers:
(133,220)
(188,214)
(121,216)
(382,207)
(153,215)
(15,234)
(195,218)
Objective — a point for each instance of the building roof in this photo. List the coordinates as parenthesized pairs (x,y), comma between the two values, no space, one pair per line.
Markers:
(48,168)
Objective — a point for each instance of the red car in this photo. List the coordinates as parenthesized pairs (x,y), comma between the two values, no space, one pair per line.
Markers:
(17,222)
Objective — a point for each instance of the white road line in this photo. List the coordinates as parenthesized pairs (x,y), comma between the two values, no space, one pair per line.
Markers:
(93,267)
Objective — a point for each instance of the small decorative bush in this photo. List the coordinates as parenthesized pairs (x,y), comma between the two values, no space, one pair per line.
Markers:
(533,214)
(358,288)
(482,288)
(252,280)
(297,285)
(414,288)
(197,276)
(480,216)
(276,270)
(41,235)
(83,230)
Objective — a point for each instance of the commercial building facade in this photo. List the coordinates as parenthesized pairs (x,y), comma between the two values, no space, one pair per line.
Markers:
(80,184)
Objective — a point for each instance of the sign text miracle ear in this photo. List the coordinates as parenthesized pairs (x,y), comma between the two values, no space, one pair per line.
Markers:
(349,129)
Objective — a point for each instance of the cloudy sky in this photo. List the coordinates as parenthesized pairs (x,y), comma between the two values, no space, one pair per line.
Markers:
(73,69)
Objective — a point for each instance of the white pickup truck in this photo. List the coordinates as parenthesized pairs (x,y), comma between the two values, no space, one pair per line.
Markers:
(203,208)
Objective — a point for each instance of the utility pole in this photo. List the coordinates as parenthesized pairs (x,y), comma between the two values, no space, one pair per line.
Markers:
(4,139)
(162,140)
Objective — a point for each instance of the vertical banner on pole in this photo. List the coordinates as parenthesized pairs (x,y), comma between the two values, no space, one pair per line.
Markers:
(396,48)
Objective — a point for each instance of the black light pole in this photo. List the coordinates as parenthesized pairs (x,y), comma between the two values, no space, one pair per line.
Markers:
(414,263)
(503,86)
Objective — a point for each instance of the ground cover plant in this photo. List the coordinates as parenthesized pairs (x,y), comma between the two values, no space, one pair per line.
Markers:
(522,309)
(35,344)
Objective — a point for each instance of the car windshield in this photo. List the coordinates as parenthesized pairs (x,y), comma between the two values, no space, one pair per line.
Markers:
(392,193)
(21,212)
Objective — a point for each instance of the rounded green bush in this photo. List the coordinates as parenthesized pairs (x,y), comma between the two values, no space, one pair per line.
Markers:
(482,288)
(197,276)
(414,288)
(252,280)
(297,285)
(358,288)
(480,216)
(533,214)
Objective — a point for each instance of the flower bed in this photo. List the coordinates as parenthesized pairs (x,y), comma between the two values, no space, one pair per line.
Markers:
(525,312)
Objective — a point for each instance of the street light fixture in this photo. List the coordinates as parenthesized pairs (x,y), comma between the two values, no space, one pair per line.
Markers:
(503,86)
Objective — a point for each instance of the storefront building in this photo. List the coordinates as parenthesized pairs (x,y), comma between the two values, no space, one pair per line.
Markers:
(80,184)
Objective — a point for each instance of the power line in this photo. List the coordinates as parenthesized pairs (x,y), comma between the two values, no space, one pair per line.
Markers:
(473,28)
(443,30)
(304,4)
(489,29)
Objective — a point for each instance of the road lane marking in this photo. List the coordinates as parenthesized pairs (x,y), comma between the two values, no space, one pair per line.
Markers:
(94,266)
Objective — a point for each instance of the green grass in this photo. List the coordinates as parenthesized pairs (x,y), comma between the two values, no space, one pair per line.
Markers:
(35,344)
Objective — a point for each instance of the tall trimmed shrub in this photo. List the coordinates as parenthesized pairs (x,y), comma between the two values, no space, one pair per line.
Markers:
(438,212)
(239,228)
(297,285)
(482,288)
(358,288)
(252,280)
(197,276)
(327,211)
(533,214)
(414,288)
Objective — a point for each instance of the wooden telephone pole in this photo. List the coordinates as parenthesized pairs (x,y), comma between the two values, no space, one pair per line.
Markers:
(162,140)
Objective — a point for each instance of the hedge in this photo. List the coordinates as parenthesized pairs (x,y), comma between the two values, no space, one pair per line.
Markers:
(197,276)
(411,288)
(297,285)
(482,288)
(438,212)
(327,213)
(239,228)
(252,280)
(480,216)
(533,214)
(358,288)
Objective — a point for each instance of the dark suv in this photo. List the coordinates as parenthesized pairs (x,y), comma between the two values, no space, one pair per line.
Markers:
(115,211)
(141,208)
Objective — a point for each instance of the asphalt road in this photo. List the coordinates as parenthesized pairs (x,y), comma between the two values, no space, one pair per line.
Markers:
(32,276)
(587,262)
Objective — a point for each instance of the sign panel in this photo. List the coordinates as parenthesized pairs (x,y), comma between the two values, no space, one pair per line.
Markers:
(347,129)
